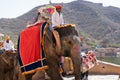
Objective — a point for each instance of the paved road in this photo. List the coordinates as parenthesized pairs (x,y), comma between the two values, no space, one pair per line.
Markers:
(98,77)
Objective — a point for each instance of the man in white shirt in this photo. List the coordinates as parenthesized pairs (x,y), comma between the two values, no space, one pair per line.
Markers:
(57,20)
(57,17)
(8,44)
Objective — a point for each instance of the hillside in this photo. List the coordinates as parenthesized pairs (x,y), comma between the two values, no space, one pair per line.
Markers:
(100,23)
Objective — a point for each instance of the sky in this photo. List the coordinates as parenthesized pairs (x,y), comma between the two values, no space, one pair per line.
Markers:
(15,8)
(115,3)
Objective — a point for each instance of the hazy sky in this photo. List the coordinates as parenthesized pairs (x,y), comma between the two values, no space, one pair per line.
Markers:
(115,3)
(15,8)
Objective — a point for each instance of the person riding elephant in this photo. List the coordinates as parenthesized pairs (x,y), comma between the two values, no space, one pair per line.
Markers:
(8,63)
(57,17)
(69,46)
(8,44)
(84,75)
(42,16)
(57,20)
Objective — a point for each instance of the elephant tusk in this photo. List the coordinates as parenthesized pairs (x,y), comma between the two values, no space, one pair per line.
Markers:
(76,38)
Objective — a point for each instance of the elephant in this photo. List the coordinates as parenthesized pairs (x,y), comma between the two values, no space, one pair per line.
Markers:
(70,47)
(7,65)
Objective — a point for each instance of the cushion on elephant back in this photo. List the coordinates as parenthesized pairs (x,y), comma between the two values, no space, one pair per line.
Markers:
(66,25)
(67,30)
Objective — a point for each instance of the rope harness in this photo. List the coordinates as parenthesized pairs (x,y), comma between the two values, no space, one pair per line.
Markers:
(3,58)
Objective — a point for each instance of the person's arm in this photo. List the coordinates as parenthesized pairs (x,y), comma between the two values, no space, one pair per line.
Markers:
(12,45)
(53,20)
(62,20)
(5,46)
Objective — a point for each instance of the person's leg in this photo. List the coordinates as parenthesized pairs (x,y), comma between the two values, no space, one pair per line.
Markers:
(62,66)
(82,76)
(86,75)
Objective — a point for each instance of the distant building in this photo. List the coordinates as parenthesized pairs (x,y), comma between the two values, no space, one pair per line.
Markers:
(118,54)
(106,52)
(79,0)
(111,54)
(98,46)
(1,34)
(50,2)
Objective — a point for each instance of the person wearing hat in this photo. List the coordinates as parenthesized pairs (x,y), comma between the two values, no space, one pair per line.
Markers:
(57,17)
(57,20)
(41,17)
(8,44)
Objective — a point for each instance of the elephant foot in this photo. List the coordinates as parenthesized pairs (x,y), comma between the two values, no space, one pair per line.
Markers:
(47,77)
(39,75)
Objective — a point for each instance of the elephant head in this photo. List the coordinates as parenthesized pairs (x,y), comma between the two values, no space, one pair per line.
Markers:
(70,47)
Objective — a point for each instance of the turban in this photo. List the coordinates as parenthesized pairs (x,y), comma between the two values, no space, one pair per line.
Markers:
(58,7)
(50,9)
(7,37)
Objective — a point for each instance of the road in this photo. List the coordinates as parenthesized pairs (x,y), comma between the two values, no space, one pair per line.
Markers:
(98,77)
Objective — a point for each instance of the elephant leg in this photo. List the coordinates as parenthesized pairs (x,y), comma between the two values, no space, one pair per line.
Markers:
(16,73)
(2,75)
(11,74)
(53,70)
(29,76)
(39,75)
(54,73)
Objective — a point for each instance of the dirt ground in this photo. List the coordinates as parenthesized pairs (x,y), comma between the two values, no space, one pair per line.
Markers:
(105,68)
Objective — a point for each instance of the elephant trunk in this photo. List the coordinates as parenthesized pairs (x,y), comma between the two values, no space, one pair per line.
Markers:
(76,59)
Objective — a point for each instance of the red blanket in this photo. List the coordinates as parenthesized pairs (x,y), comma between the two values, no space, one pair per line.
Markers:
(31,56)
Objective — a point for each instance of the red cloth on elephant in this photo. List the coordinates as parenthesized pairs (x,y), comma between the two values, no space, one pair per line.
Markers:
(30,44)
(30,51)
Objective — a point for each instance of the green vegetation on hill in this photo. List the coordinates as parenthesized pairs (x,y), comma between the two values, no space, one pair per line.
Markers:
(101,23)
(114,45)
(111,60)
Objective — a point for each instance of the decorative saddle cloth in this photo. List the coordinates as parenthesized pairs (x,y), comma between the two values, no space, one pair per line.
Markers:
(30,52)
(88,61)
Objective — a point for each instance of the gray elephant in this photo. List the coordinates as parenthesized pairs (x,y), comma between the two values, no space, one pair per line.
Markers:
(7,65)
(69,46)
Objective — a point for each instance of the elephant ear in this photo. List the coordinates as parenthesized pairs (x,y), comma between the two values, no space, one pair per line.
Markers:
(57,39)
